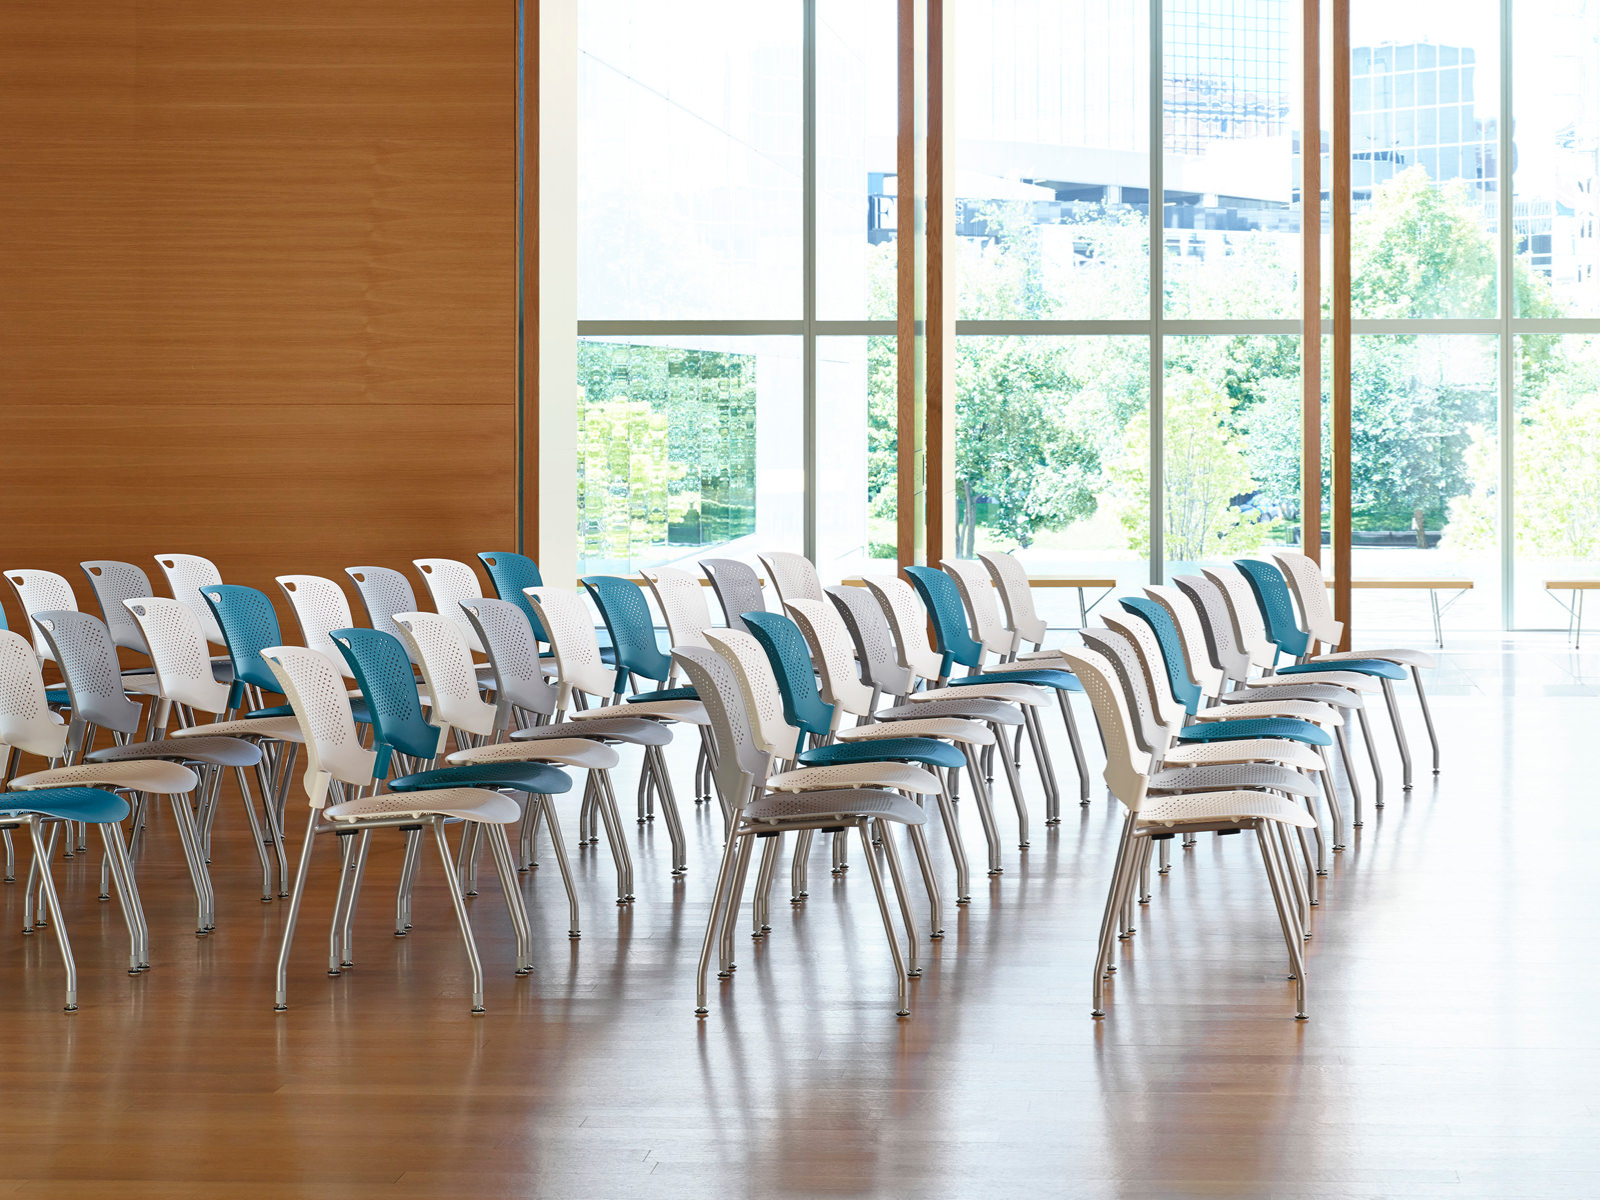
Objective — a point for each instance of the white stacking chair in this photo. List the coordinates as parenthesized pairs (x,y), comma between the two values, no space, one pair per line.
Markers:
(1022,621)
(339,781)
(320,606)
(450,583)
(41,591)
(186,575)
(682,601)
(384,592)
(793,576)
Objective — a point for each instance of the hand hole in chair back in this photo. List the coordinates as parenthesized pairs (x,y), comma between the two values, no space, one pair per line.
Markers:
(96,571)
(358,576)
(289,587)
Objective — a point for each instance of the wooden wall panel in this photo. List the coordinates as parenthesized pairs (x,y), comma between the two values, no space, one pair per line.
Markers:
(257,283)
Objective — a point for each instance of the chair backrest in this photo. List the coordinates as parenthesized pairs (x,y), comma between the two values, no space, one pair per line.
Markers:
(1017,596)
(1123,776)
(41,591)
(1311,593)
(633,631)
(249,624)
(1148,731)
(579,668)
(786,650)
(320,606)
(1157,671)
(186,575)
(507,638)
(384,592)
(180,654)
(511,573)
(82,647)
(682,602)
(739,763)
(834,657)
(873,640)
(1212,608)
(438,647)
(26,721)
(793,576)
(737,586)
(977,591)
(759,685)
(316,691)
(1203,673)
(113,582)
(451,581)
(1164,629)
(909,625)
(1244,615)
(382,670)
(1276,605)
(943,602)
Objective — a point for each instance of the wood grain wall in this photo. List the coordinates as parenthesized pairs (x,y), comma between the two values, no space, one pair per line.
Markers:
(257,284)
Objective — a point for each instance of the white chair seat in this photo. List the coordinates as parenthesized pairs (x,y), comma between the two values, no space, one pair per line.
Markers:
(466,804)
(1349,679)
(1272,750)
(633,732)
(163,777)
(975,708)
(900,776)
(955,729)
(1322,693)
(1409,658)
(283,729)
(779,807)
(569,752)
(690,712)
(1230,777)
(1011,693)
(1167,812)
(1301,710)
(218,751)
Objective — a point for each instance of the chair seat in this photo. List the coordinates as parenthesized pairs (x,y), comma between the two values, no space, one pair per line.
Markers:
(92,806)
(218,751)
(162,776)
(1264,727)
(633,731)
(1271,750)
(888,749)
(1382,668)
(677,693)
(897,775)
(568,752)
(1006,691)
(358,710)
(1301,710)
(1061,681)
(537,777)
(1204,807)
(1323,693)
(846,803)
(956,729)
(465,804)
(690,712)
(56,696)
(1411,658)
(1351,680)
(283,729)
(977,709)
(1233,777)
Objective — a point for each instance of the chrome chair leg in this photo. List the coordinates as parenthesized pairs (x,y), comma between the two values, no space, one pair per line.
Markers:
(713,935)
(255,832)
(1393,704)
(459,903)
(347,857)
(500,849)
(952,835)
(132,910)
(980,789)
(760,903)
(930,881)
(281,1003)
(1065,701)
(1017,798)
(620,855)
(735,899)
(1372,753)
(408,872)
(48,884)
(358,873)
(559,847)
(1427,715)
(902,978)
(797,871)
(1350,772)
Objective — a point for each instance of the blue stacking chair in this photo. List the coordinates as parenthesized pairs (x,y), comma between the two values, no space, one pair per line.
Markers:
(626,614)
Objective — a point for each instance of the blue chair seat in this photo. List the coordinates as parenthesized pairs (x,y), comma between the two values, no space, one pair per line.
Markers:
(1062,681)
(928,751)
(678,693)
(358,709)
(1380,667)
(1262,727)
(89,805)
(541,778)
(56,696)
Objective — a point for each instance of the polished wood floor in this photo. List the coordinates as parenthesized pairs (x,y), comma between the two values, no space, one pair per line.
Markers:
(1452,1049)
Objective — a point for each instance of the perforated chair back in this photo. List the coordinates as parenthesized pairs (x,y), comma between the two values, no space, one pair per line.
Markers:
(633,632)
(942,600)
(1212,608)
(786,650)
(1016,595)
(186,575)
(382,670)
(26,721)
(384,592)
(908,624)
(873,639)
(315,689)
(1158,621)
(1123,776)
(451,581)
(738,589)
(977,591)
(1311,594)
(739,763)
(511,573)
(249,624)
(1118,649)
(1277,606)
(1244,614)
(507,637)
(1157,671)
(113,582)
(82,647)
(435,642)
(579,667)
(833,656)
(1203,673)
(41,591)
(759,685)
(320,606)
(682,602)
(793,576)
(178,650)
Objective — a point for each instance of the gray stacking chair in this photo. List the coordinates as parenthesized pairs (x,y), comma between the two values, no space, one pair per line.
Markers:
(738,589)
(384,592)
(113,582)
